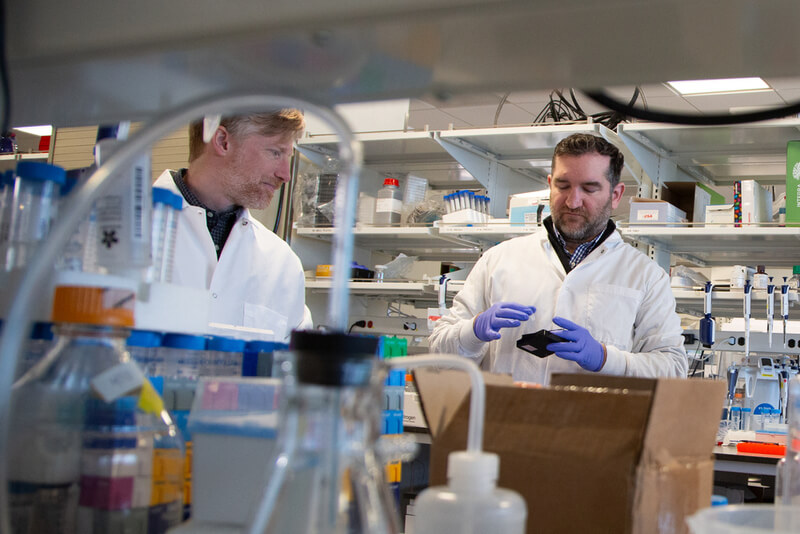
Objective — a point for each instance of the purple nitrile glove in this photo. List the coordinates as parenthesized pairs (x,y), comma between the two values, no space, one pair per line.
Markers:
(487,325)
(580,346)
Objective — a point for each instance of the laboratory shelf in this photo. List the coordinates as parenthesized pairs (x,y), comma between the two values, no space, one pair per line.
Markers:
(723,154)
(488,233)
(425,242)
(714,246)
(726,302)
(427,290)
(397,153)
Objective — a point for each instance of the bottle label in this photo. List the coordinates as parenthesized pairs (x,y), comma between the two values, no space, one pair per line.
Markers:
(118,381)
(391,205)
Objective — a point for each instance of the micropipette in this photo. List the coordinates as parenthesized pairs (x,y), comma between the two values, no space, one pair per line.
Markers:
(770,308)
(707,322)
(747,289)
(784,307)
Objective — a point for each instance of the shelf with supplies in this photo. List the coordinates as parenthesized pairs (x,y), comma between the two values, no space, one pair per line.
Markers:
(426,290)
(425,242)
(729,302)
(777,246)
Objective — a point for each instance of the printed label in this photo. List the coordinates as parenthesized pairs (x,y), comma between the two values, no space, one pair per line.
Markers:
(118,381)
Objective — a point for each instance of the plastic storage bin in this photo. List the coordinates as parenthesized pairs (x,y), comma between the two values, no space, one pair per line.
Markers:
(746,519)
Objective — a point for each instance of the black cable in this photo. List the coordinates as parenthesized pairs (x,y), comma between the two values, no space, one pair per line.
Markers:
(5,118)
(280,209)
(360,324)
(693,120)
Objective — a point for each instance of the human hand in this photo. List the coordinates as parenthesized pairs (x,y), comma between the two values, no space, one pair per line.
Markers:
(580,346)
(501,315)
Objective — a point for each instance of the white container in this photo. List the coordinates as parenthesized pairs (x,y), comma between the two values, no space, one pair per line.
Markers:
(389,204)
(123,216)
(746,519)
(471,501)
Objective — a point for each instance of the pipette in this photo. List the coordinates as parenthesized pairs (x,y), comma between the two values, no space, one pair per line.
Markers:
(784,307)
(707,322)
(770,308)
(747,290)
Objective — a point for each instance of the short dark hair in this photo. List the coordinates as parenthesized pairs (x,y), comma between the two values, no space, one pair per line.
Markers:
(277,122)
(580,143)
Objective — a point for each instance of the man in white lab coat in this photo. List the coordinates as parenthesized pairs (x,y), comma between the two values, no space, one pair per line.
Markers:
(611,303)
(254,277)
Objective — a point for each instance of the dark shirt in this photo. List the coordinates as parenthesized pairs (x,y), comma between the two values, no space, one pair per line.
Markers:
(219,223)
(569,261)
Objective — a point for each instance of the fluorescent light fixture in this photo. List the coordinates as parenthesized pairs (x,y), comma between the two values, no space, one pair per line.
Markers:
(724,85)
(36,130)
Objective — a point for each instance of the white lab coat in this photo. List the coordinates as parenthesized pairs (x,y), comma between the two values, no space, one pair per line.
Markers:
(621,296)
(257,282)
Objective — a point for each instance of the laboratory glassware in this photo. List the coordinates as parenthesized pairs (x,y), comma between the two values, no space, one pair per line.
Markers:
(389,204)
(328,478)
(94,450)
(166,209)
(34,207)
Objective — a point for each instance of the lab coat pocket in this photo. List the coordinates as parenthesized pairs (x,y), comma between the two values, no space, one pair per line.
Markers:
(264,318)
(612,314)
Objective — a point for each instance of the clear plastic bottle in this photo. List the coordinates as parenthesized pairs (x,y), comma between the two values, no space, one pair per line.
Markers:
(34,207)
(794,281)
(124,213)
(328,478)
(389,204)
(166,209)
(224,357)
(471,501)
(143,347)
(93,448)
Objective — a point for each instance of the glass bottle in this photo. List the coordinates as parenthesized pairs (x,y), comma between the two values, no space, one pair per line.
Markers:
(93,449)
(328,478)
(389,204)
(794,281)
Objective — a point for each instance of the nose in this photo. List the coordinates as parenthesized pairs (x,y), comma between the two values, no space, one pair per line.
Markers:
(574,198)
(284,171)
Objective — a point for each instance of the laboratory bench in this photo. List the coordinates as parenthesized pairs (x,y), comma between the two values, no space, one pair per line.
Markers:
(744,477)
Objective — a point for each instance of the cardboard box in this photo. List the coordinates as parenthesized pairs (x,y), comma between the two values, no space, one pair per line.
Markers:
(756,203)
(690,197)
(720,214)
(590,453)
(793,183)
(655,212)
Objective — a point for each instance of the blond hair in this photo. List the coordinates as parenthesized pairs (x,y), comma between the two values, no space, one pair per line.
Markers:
(285,121)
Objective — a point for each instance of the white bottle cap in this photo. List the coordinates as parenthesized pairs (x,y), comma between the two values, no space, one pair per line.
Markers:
(474,470)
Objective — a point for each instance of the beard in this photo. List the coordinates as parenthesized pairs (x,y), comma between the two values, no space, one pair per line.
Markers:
(584,227)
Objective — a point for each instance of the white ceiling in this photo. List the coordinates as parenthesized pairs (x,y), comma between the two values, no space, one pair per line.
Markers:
(520,108)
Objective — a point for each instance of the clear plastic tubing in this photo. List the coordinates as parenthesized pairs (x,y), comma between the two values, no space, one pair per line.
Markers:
(34,207)
(477,401)
(166,208)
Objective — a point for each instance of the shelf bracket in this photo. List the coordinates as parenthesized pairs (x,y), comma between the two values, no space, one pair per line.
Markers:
(499,180)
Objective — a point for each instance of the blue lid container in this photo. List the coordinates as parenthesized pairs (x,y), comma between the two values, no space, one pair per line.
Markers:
(184,341)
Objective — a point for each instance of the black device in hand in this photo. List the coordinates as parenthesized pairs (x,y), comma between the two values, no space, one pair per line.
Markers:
(537,342)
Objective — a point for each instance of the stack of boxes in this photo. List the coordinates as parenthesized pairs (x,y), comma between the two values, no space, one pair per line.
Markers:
(393,393)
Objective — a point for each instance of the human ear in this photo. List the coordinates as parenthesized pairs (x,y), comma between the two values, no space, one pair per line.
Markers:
(616,195)
(221,141)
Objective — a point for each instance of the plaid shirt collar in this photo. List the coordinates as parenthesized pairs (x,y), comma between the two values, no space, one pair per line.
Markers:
(219,223)
(581,251)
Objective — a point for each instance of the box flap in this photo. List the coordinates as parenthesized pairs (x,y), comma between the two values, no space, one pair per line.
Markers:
(684,419)
(441,392)
(608,381)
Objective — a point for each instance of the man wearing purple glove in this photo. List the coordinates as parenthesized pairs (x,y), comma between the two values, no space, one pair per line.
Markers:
(612,304)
